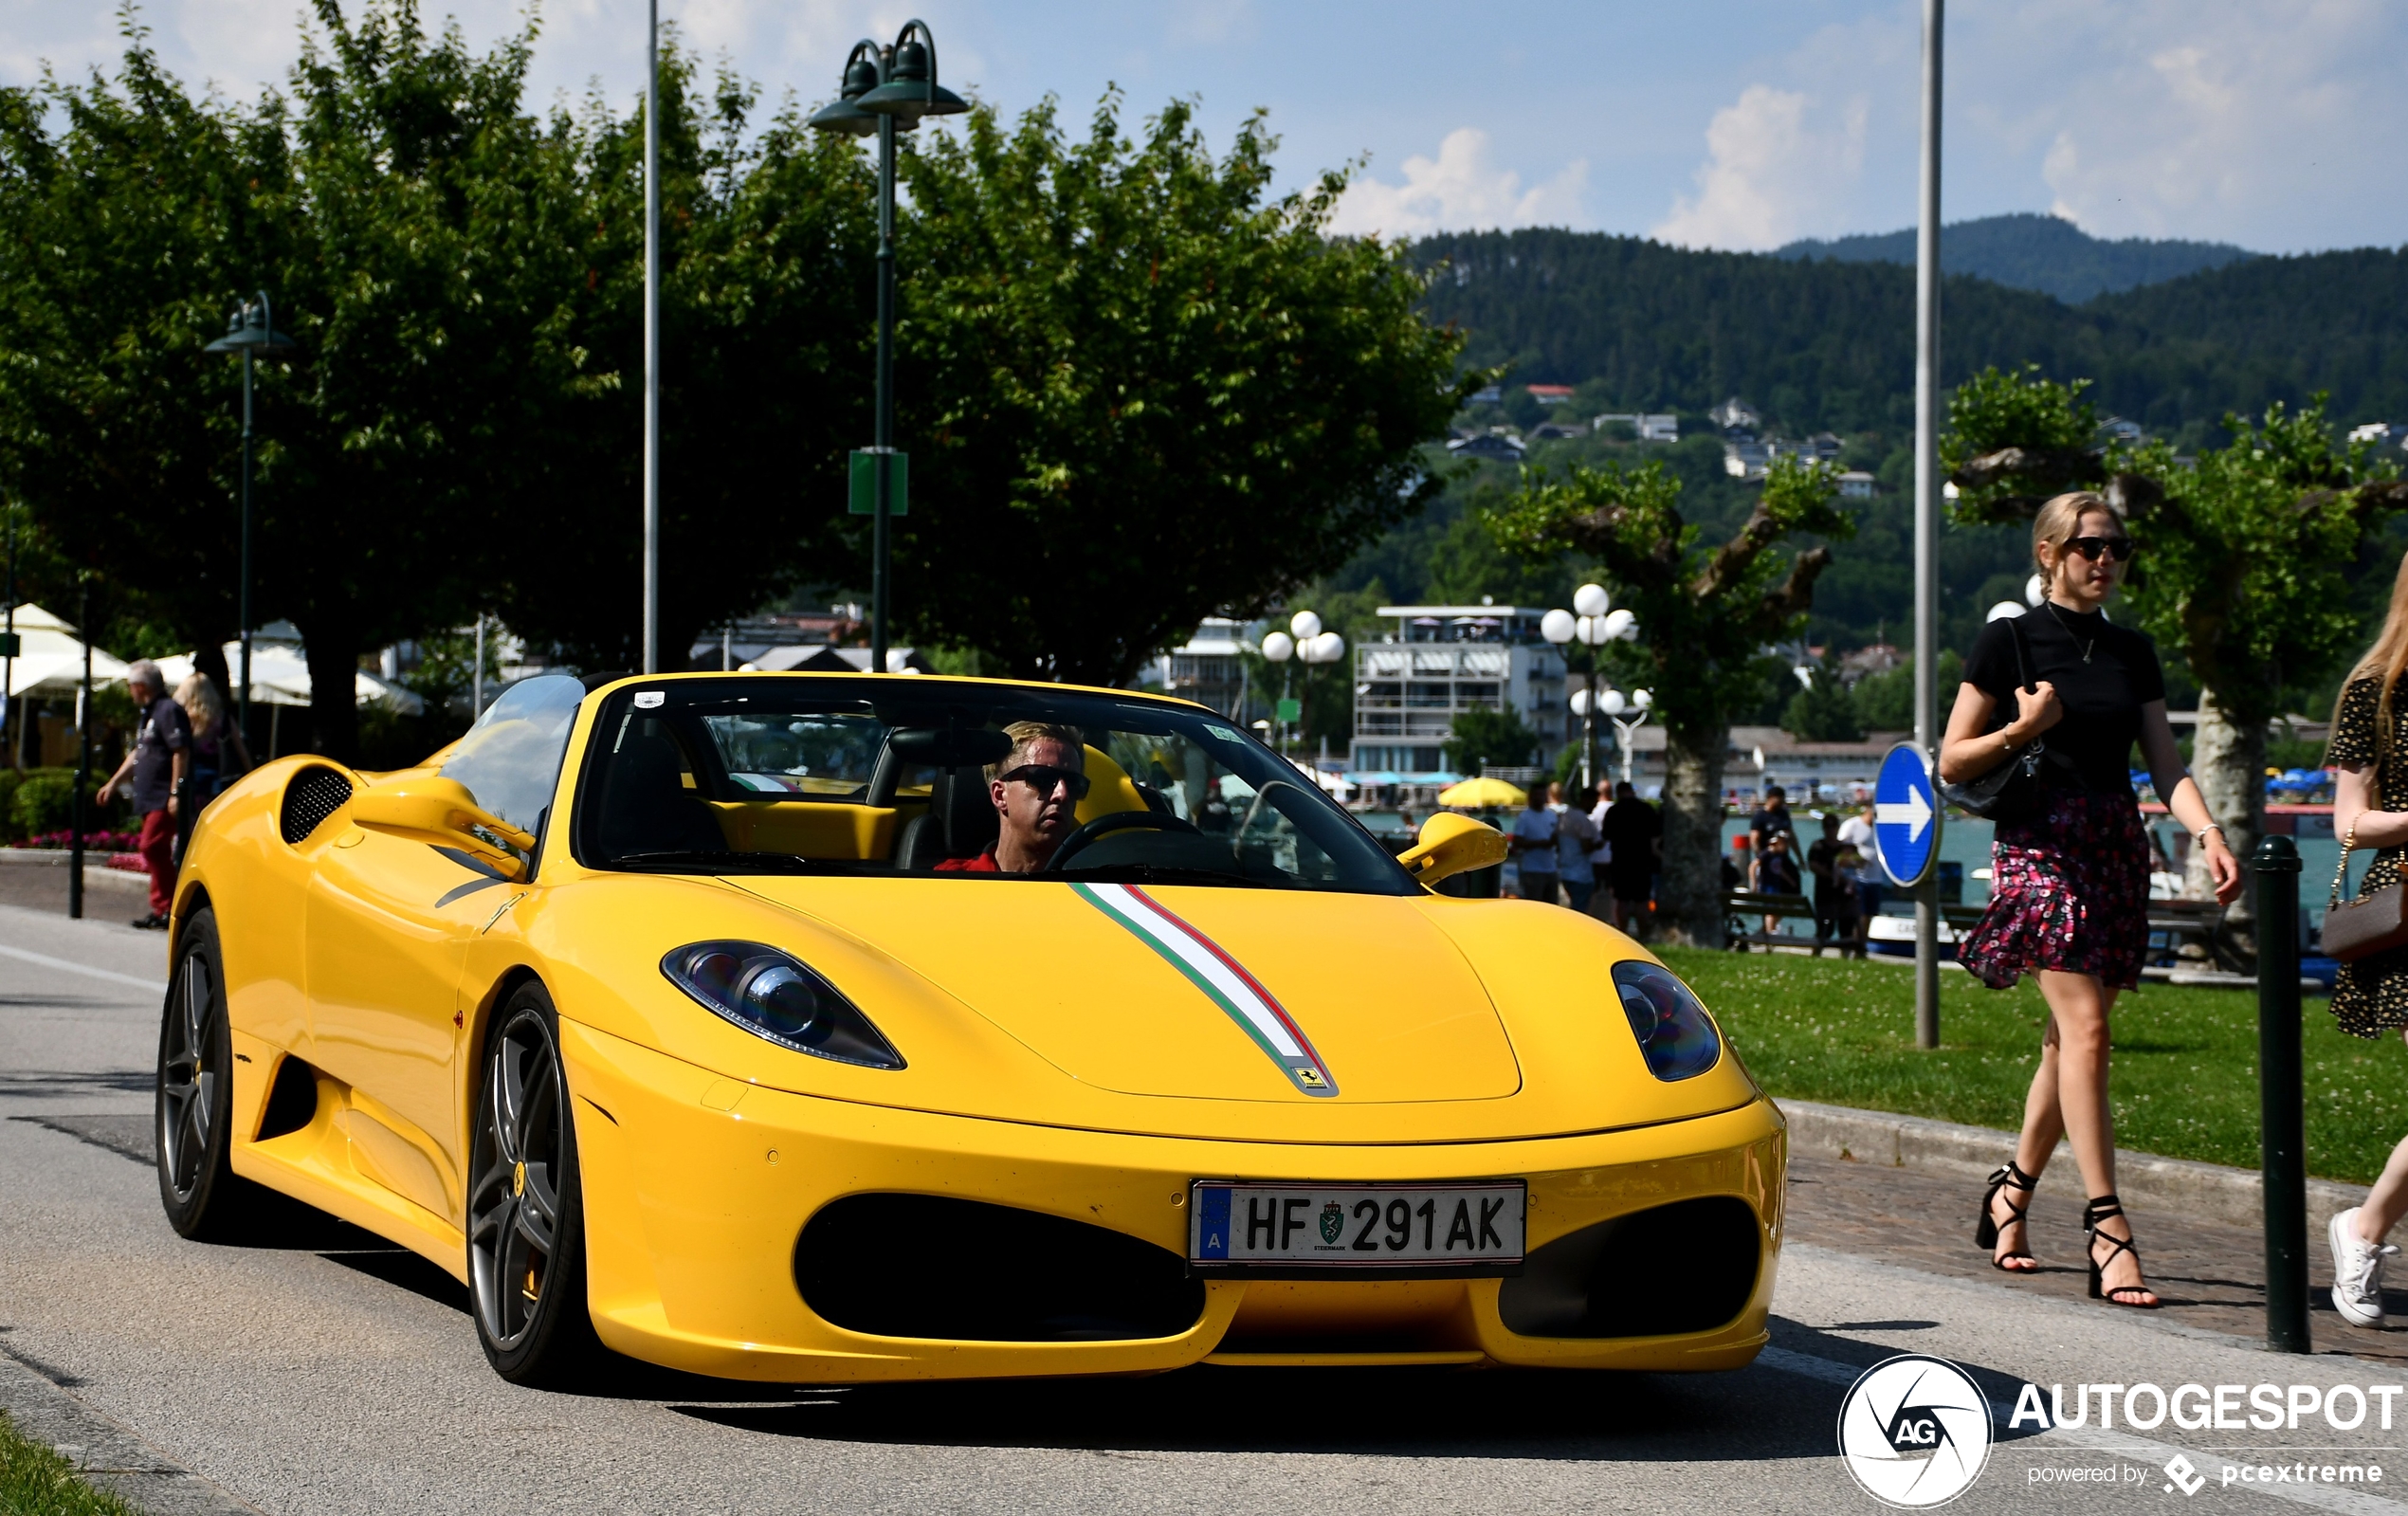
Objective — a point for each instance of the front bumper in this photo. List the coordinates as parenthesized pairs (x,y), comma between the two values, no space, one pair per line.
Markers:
(697,1187)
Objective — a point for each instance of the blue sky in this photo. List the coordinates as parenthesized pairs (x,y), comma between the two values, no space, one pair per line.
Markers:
(1741,124)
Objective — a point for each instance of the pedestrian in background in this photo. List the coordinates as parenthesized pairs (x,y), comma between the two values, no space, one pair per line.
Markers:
(162,758)
(2370,994)
(1857,833)
(2069,902)
(1601,854)
(1574,836)
(1532,843)
(1822,861)
(1775,872)
(219,754)
(1631,831)
(1771,816)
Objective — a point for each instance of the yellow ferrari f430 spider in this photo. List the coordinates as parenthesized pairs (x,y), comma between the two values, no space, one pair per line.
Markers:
(733,1022)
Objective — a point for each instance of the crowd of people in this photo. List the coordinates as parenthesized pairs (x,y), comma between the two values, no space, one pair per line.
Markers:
(1768,860)
(1563,853)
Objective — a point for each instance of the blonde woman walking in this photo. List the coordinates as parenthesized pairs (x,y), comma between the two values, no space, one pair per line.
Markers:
(2370,996)
(2068,900)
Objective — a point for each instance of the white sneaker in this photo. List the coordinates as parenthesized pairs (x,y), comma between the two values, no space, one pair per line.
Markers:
(2358,1271)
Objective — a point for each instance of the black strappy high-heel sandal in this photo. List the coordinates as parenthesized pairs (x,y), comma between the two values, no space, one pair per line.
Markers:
(1985,1233)
(2101,1208)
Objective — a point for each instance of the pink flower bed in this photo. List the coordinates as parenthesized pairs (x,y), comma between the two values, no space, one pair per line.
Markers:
(93,841)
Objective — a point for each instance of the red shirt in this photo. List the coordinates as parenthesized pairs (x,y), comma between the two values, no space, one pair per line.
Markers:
(983,863)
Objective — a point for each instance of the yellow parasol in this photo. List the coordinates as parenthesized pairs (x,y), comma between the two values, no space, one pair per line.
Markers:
(1482,795)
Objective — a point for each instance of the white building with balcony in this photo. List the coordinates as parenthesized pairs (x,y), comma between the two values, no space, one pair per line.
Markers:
(1440,662)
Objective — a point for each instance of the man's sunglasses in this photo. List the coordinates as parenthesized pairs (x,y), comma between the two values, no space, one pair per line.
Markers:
(1042,777)
(2118,548)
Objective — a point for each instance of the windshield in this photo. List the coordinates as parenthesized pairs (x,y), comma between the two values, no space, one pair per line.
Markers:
(960,780)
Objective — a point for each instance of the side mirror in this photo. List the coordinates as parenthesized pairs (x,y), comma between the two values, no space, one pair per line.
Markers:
(438,812)
(1452,844)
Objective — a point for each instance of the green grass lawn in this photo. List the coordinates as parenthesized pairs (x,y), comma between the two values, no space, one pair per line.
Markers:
(2185,1081)
(35,1481)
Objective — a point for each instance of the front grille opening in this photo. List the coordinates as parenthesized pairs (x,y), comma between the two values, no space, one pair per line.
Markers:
(1688,1267)
(292,1100)
(313,795)
(920,1266)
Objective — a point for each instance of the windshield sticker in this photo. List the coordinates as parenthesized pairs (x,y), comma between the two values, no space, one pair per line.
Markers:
(1222,978)
(649,699)
(1221,732)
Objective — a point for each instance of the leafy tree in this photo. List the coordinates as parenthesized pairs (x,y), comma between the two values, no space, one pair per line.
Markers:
(1823,712)
(1139,391)
(1704,615)
(2244,558)
(1496,739)
(1885,703)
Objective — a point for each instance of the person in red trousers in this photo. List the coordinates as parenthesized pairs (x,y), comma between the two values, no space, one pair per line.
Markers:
(150,777)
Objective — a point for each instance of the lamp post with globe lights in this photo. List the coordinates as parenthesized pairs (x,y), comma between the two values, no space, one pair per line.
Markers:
(1307,642)
(1592,622)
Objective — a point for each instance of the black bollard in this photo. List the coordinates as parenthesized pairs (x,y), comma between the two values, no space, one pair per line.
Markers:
(2283,1129)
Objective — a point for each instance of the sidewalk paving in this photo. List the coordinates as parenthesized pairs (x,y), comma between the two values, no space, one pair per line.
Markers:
(2211,1275)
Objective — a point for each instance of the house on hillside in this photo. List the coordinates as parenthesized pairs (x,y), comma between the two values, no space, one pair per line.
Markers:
(2128,433)
(1551,395)
(1548,431)
(1734,415)
(1651,426)
(1856,485)
(1500,446)
(1745,458)
(1489,395)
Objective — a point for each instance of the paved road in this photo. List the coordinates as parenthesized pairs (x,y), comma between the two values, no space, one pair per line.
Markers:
(330,1375)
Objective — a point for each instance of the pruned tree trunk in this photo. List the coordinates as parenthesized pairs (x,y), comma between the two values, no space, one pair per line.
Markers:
(1690,898)
(2228,758)
(334,693)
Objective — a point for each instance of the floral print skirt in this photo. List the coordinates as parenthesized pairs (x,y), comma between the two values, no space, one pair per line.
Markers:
(2068,891)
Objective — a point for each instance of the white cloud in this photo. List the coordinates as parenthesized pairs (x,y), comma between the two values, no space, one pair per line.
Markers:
(1770,172)
(1462,189)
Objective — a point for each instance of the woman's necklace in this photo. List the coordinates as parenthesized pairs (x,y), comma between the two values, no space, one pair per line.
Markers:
(2087,647)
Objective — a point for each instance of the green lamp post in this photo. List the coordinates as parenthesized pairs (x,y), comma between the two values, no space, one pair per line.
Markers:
(249,330)
(885,90)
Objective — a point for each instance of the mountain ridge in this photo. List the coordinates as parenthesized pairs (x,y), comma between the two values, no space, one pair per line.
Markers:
(2027,250)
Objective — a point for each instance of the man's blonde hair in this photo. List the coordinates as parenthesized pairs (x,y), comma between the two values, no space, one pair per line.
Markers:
(1026,735)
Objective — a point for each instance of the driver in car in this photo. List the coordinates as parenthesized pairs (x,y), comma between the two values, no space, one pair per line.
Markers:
(1036,790)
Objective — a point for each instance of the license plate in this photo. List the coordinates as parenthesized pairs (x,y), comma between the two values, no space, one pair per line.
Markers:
(1311,1231)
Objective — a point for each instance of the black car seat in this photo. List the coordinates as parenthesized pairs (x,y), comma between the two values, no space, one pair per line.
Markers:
(647,807)
(960,822)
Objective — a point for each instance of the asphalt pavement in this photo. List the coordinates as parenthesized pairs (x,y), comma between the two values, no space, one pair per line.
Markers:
(323,1372)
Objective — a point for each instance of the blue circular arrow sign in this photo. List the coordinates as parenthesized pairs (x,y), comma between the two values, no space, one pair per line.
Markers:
(1905,817)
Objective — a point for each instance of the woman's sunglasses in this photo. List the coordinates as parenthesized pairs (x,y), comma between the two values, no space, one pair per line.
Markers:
(1042,777)
(2118,548)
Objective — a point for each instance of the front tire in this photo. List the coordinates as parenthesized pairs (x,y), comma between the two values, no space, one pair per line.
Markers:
(194,1107)
(527,1217)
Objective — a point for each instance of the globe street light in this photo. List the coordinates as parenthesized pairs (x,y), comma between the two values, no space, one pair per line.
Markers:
(250,330)
(1594,623)
(885,90)
(1304,640)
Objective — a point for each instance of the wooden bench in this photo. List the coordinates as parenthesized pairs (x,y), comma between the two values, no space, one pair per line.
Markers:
(1740,905)
(2181,918)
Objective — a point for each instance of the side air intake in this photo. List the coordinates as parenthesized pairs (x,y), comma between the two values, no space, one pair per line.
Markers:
(312,797)
(1613,1279)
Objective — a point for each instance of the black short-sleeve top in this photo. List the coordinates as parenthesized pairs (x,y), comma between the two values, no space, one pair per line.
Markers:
(2103,674)
(2354,739)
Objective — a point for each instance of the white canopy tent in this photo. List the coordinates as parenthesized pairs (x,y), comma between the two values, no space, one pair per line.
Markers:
(51,666)
(279,676)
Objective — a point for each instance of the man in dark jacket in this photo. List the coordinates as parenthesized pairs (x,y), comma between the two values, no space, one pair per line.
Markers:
(162,756)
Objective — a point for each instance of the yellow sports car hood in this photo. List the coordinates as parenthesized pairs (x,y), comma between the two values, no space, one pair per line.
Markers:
(1202,992)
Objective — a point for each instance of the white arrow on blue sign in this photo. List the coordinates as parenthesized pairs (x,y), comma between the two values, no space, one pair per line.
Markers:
(1905,817)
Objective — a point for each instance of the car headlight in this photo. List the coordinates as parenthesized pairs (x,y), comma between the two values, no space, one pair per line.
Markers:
(775,996)
(1675,1034)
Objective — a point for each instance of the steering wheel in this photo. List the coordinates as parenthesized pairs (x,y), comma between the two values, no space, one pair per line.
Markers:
(1109,822)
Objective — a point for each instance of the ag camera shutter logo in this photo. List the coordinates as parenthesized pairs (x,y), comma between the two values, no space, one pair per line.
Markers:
(1914,1432)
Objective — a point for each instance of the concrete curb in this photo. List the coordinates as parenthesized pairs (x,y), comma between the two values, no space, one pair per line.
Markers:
(96,875)
(2207,1191)
(45,1409)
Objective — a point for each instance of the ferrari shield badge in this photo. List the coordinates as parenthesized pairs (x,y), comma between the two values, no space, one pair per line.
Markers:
(1333,1221)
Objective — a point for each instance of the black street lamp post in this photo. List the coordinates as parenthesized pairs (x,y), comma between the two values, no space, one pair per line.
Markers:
(249,330)
(885,90)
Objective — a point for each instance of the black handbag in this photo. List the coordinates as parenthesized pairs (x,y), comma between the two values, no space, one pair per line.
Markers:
(2011,790)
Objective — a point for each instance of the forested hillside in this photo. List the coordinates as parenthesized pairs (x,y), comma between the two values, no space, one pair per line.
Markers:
(1829,344)
(2030,251)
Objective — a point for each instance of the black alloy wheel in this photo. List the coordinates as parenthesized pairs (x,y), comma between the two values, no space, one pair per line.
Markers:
(526,1224)
(194,1111)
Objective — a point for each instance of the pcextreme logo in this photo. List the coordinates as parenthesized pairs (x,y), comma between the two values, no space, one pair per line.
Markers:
(1914,1432)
